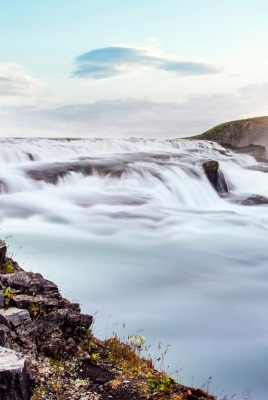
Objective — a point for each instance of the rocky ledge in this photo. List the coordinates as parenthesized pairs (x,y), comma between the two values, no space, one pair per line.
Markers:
(49,351)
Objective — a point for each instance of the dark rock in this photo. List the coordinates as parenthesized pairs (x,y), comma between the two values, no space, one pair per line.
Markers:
(30,283)
(2,299)
(3,250)
(254,200)
(3,330)
(215,176)
(13,376)
(28,301)
(96,373)
(255,150)
(73,306)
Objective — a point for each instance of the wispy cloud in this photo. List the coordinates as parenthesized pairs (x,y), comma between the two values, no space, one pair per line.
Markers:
(135,117)
(14,81)
(109,62)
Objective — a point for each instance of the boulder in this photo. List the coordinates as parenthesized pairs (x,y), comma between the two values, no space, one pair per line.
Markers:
(254,200)
(13,316)
(215,176)
(13,376)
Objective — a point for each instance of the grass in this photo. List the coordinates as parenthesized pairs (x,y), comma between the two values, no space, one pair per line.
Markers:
(128,355)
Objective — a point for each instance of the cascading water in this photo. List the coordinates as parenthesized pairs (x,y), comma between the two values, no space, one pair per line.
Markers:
(134,229)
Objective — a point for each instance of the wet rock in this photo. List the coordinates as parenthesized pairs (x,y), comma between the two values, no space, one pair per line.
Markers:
(13,376)
(254,200)
(13,316)
(255,150)
(30,283)
(215,176)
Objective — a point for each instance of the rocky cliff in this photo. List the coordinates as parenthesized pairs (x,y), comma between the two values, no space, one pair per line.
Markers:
(247,135)
(48,350)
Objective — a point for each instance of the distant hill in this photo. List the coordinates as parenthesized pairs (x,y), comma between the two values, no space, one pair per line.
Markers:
(249,136)
(239,133)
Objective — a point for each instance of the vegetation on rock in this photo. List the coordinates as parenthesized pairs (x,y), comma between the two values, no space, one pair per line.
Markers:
(65,360)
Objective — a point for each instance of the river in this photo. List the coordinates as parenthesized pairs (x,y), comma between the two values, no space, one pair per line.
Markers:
(134,231)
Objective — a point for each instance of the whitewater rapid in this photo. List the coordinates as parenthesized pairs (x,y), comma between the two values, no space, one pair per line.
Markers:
(134,231)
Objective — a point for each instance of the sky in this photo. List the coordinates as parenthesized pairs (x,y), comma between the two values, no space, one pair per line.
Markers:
(122,68)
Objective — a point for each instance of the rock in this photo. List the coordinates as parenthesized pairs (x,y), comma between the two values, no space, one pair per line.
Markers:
(13,316)
(2,299)
(3,250)
(3,330)
(30,283)
(215,177)
(13,376)
(94,372)
(255,150)
(26,301)
(254,200)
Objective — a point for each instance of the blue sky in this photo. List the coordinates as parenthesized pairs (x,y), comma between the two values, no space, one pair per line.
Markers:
(156,68)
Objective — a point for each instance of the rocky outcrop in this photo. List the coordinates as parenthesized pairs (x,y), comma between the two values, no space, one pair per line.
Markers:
(248,136)
(215,176)
(41,329)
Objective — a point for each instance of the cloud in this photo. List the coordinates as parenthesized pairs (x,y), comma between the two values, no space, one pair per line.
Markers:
(136,117)
(14,81)
(109,62)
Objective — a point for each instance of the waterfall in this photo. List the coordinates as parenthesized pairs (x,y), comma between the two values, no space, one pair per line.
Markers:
(133,228)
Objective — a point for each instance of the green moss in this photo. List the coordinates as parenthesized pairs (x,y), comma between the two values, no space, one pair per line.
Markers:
(7,268)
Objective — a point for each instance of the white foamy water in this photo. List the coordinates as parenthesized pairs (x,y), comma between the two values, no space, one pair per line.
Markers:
(133,229)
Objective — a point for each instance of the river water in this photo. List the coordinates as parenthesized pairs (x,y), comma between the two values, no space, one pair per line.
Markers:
(133,230)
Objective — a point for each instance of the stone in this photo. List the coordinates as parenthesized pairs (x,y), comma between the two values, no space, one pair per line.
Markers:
(215,176)
(3,250)
(2,299)
(13,376)
(3,330)
(255,200)
(30,283)
(13,316)
(25,300)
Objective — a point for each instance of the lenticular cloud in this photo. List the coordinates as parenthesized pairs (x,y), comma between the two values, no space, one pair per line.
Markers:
(109,62)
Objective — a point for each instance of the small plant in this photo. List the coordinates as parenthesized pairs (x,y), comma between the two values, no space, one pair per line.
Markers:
(8,292)
(160,382)
(127,354)
(95,357)
(137,344)
(35,309)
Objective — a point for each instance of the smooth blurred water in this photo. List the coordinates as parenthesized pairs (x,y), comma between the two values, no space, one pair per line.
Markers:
(133,230)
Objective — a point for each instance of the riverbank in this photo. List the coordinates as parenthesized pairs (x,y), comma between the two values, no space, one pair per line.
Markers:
(58,356)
